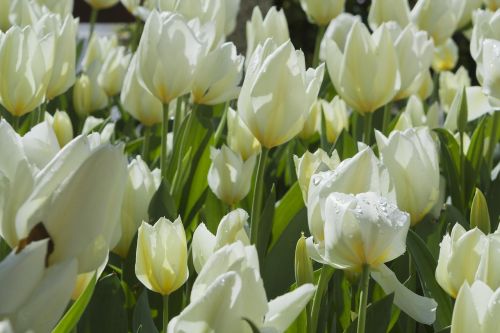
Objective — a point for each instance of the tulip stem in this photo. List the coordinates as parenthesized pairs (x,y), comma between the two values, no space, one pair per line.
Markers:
(387,118)
(92,22)
(368,127)
(365,283)
(325,276)
(145,144)
(164,132)
(493,139)
(257,196)
(165,313)
(222,125)
(319,38)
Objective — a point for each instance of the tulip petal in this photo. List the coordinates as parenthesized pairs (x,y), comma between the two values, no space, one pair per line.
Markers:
(202,246)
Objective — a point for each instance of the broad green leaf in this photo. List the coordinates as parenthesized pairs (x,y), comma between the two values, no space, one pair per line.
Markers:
(266,223)
(4,249)
(72,316)
(378,316)
(426,268)
(162,204)
(142,321)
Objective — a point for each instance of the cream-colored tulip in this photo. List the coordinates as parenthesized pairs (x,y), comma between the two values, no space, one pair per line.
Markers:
(427,87)
(88,96)
(490,70)
(161,259)
(439,18)
(138,101)
(413,163)
(40,144)
(229,177)
(25,13)
(445,56)
(4,15)
(337,31)
(313,121)
(414,115)
(486,25)
(239,137)
(113,70)
(232,228)
(25,75)
(217,76)
(382,11)
(477,309)
(450,84)
(469,8)
(63,128)
(61,7)
(277,93)
(102,4)
(336,118)
(492,5)
(310,164)
(365,72)
(322,12)
(274,26)
(142,184)
(34,297)
(167,77)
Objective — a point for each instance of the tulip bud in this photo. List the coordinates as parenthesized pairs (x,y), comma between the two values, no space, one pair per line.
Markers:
(229,177)
(267,120)
(445,56)
(113,71)
(274,26)
(336,118)
(62,128)
(450,84)
(239,137)
(322,12)
(309,164)
(217,76)
(479,214)
(337,31)
(303,265)
(382,11)
(167,77)
(88,97)
(161,259)
(102,4)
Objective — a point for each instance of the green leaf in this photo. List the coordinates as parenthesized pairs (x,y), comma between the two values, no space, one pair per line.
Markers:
(72,316)
(266,223)
(142,321)
(463,111)
(4,249)
(254,327)
(162,204)
(445,330)
(378,316)
(286,209)
(426,267)
(345,145)
(479,215)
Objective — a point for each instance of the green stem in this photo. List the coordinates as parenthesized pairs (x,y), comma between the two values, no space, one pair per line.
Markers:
(222,125)
(165,313)
(164,132)
(368,127)
(92,22)
(319,38)
(146,143)
(365,283)
(178,116)
(354,124)
(493,138)
(257,196)
(387,118)
(16,123)
(325,276)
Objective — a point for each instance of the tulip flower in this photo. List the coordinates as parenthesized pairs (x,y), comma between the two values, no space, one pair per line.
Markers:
(274,26)
(63,128)
(365,72)
(25,13)
(229,177)
(61,7)
(427,87)
(230,230)
(337,31)
(230,281)
(142,184)
(137,100)
(113,71)
(167,77)
(490,70)
(367,230)
(40,145)
(438,18)
(413,163)
(23,86)
(414,115)
(34,296)
(476,309)
(277,93)
(88,96)
(445,56)
(336,118)
(486,25)
(313,121)
(322,12)
(450,84)
(239,137)
(382,11)
(469,8)
(217,76)
(232,9)
(161,259)
(102,4)
(310,164)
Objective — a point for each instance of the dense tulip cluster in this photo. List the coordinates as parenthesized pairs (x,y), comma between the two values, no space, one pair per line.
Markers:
(157,180)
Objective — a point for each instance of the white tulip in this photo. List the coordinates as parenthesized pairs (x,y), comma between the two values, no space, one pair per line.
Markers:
(239,137)
(490,70)
(313,121)
(337,31)
(486,25)
(24,13)
(382,11)
(113,71)
(445,56)
(63,127)
(450,84)
(470,7)
(322,12)
(336,117)
(61,7)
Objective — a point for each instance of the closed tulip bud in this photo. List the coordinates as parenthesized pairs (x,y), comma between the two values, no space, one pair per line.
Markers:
(239,137)
(365,72)
(113,71)
(25,73)
(469,8)
(34,296)
(217,76)
(142,184)
(336,117)
(438,18)
(322,12)
(274,26)
(88,97)
(382,11)
(310,164)
(4,15)
(171,77)
(413,163)
(313,121)
(232,228)
(303,265)
(272,71)
(492,5)
(229,177)
(337,31)
(138,101)
(489,69)
(102,4)
(161,259)
(445,56)
(450,84)
(486,25)
(479,214)
(62,128)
